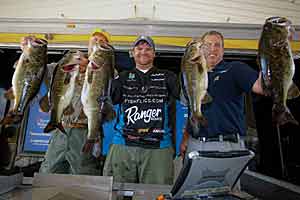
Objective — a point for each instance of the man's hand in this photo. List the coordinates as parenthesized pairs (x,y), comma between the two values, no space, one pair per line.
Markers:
(183,145)
(258,87)
(9,94)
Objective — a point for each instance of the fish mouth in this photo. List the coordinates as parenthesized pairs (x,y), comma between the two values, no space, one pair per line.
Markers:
(36,42)
(70,67)
(280,21)
(40,42)
(104,46)
(199,50)
(195,59)
(31,42)
(193,42)
(77,56)
(93,65)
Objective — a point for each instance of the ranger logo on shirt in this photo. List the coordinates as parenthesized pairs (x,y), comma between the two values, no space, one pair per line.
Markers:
(148,115)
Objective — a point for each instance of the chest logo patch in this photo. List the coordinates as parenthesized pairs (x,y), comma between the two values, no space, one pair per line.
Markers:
(131,76)
(217,78)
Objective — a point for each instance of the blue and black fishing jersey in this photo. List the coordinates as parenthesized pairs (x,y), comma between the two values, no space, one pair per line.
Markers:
(143,114)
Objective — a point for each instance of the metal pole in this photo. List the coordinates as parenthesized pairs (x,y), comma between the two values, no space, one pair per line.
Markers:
(283,168)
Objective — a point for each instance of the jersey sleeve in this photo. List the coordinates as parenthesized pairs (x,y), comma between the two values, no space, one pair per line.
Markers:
(116,93)
(173,85)
(244,76)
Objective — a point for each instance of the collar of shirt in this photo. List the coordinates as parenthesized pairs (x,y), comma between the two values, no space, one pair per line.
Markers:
(149,71)
(222,65)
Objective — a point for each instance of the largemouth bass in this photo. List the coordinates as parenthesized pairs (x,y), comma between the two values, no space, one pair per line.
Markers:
(96,91)
(62,88)
(277,67)
(194,81)
(28,76)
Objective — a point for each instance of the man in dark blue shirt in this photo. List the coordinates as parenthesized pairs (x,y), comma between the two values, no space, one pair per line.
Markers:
(227,84)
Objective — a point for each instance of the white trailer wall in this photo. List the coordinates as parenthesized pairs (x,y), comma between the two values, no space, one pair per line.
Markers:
(217,11)
(222,11)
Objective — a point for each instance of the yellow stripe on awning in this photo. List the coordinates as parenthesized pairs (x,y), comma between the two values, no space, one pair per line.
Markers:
(159,40)
(240,44)
(15,37)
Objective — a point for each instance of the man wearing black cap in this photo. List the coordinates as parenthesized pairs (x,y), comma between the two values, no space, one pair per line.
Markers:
(142,149)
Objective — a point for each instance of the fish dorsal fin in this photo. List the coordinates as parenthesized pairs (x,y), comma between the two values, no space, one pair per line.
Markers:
(69,110)
(293,92)
(44,103)
(81,116)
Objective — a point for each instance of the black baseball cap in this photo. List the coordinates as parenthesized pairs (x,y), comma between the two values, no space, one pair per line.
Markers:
(145,38)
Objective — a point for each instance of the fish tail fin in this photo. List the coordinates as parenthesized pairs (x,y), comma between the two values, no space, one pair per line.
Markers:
(203,121)
(52,126)
(195,126)
(282,115)
(207,99)
(44,104)
(199,120)
(293,92)
(11,118)
(92,147)
(108,112)
(69,110)
(88,147)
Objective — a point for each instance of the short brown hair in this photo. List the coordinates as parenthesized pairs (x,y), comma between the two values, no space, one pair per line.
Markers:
(214,33)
